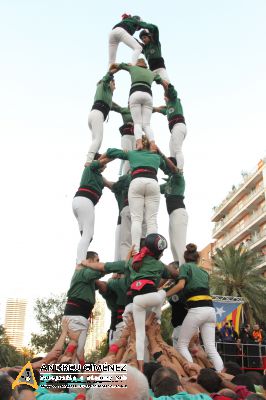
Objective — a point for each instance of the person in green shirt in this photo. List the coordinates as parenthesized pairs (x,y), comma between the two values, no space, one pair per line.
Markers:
(128,141)
(144,191)
(151,47)
(176,122)
(99,112)
(80,302)
(194,281)
(145,273)
(87,196)
(123,32)
(140,98)
(173,191)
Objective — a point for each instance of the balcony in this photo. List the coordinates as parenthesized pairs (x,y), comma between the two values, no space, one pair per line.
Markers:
(241,231)
(257,240)
(253,199)
(262,263)
(250,180)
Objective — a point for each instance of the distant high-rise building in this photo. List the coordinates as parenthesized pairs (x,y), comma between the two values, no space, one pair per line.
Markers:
(241,217)
(97,330)
(15,321)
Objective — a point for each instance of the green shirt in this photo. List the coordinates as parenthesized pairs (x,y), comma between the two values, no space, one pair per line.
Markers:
(150,269)
(139,74)
(120,190)
(124,111)
(139,158)
(196,278)
(92,177)
(173,105)
(82,284)
(103,91)
(115,266)
(130,24)
(110,298)
(152,50)
(175,185)
(119,287)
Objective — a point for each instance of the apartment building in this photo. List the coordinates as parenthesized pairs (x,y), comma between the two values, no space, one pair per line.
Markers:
(97,330)
(15,321)
(241,217)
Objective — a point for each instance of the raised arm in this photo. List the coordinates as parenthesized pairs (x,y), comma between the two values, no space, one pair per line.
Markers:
(175,289)
(113,153)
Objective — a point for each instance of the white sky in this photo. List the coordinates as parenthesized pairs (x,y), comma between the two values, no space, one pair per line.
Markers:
(52,55)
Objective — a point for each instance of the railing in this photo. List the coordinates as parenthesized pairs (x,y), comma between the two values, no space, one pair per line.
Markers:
(248,356)
(219,224)
(246,177)
(241,228)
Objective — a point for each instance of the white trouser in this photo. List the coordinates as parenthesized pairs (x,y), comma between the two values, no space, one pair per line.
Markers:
(117,243)
(118,35)
(204,319)
(96,120)
(140,104)
(141,304)
(125,232)
(78,323)
(162,72)
(125,236)
(143,194)
(128,142)
(178,134)
(178,220)
(175,335)
(83,210)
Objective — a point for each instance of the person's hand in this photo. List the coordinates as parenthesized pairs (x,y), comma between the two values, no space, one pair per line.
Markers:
(87,164)
(132,252)
(192,368)
(53,355)
(113,68)
(165,84)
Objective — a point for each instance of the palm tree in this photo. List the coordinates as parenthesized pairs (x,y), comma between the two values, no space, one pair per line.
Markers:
(235,273)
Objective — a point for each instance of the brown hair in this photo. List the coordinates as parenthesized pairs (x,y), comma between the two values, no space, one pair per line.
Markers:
(191,254)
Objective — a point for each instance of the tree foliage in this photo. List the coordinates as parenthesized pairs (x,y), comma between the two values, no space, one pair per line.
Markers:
(235,273)
(166,325)
(9,355)
(48,312)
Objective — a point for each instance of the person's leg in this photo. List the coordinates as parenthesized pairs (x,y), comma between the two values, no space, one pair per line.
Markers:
(207,331)
(117,242)
(146,115)
(178,135)
(133,44)
(178,220)
(128,142)
(96,120)
(152,201)
(83,209)
(78,329)
(163,74)
(125,236)
(175,335)
(135,109)
(114,39)
(188,329)
(142,303)
(136,206)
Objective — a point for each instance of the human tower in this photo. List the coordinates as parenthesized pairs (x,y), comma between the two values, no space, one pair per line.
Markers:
(133,291)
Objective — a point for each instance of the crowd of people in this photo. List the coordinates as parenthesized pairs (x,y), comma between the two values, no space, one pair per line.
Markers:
(140,281)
